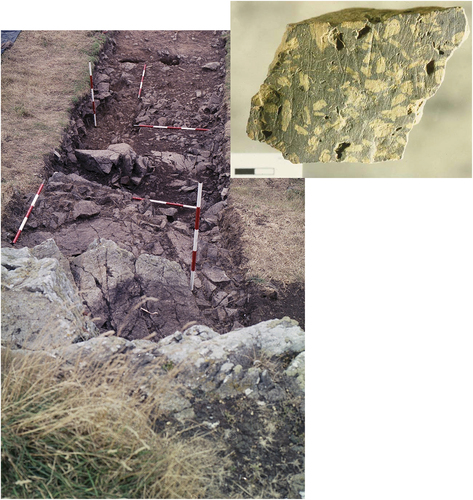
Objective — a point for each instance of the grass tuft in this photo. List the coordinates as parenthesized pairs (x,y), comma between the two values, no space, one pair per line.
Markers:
(88,433)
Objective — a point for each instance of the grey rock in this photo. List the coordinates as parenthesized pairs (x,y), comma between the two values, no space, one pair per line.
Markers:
(100,161)
(49,249)
(127,157)
(85,209)
(105,275)
(206,356)
(223,365)
(136,180)
(128,66)
(168,212)
(40,307)
(141,166)
(182,227)
(215,274)
(177,161)
(168,287)
(182,244)
(297,369)
(211,66)
(211,214)
(350,85)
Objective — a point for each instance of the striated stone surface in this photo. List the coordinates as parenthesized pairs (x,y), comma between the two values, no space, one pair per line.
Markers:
(349,86)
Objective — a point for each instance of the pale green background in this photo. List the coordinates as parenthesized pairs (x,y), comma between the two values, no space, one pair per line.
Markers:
(439,146)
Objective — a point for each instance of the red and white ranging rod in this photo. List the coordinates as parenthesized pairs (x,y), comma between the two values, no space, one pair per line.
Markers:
(196,234)
(196,225)
(165,203)
(141,84)
(173,128)
(28,213)
(92,92)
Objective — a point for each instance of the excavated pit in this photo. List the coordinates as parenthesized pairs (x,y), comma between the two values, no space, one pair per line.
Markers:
(81,203)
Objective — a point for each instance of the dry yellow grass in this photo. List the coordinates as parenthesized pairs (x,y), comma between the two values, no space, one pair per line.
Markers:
(42,74)
(88,433)
(272,216)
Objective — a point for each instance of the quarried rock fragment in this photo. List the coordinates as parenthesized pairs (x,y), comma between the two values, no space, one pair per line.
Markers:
(349,86)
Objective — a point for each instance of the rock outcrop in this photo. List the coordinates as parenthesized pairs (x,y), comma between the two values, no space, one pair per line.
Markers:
(133,296)
(245,386)
(242,362)
(40,305)
(75,212)
(349,86)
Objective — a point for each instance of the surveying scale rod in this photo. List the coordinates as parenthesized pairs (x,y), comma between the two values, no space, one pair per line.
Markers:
(28,213)
(141,84)
(165,203)
(172,128)
(196,234)
(92,92)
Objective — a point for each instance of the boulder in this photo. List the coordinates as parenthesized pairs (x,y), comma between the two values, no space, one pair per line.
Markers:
(105,276)
(85,209)
(172,303)
(49,249)
(177,161)
(215,274)
(211,214)
(121,155)
(127,157)
(100,161)
(41,309)
(349,86)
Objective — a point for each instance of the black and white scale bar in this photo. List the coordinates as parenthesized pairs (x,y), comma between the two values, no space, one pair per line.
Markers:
(254,171)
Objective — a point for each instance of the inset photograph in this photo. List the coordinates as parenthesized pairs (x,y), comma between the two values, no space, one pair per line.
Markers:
(351,89)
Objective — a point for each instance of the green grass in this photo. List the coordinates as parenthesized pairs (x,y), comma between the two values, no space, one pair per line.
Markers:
(88,434)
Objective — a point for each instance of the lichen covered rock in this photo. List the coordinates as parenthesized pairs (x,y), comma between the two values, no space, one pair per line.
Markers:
(349,86)
(40,306)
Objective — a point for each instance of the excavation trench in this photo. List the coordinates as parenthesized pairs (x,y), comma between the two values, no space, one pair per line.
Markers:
(85,199)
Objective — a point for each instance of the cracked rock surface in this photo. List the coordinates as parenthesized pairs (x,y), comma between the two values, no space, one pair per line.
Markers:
(40,305)
(349,86)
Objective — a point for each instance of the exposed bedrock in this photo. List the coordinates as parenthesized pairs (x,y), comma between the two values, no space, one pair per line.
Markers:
(40,305)
(349,86)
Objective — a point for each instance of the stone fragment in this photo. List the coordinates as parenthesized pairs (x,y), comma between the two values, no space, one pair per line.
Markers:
(215,274)
(211,66)
(349,86)
(177,161)
(85,209)
(100,161)
(211,214)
